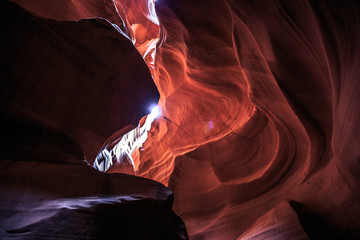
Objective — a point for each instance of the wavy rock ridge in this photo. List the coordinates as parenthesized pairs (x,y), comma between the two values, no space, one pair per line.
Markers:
(258,110)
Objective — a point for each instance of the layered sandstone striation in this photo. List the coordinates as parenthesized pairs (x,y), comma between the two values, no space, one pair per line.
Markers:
(259,117)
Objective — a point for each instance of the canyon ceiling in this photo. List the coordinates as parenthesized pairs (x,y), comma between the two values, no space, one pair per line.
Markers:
(258,133)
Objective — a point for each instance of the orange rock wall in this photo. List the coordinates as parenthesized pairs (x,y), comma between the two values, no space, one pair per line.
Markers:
(259,106)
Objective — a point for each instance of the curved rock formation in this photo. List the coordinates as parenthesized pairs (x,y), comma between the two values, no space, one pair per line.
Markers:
(259,112)
(262,91)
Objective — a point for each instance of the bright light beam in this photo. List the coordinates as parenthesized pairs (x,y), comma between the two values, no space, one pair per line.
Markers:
(129,143)
(155,111)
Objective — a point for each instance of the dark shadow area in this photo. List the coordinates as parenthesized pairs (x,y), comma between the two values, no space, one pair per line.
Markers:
(317,227)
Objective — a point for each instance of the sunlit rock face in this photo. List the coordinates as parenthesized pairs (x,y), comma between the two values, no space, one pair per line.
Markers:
(258,107)
(259,116)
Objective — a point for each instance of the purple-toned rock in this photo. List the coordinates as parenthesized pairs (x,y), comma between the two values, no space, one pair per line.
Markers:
(65,87)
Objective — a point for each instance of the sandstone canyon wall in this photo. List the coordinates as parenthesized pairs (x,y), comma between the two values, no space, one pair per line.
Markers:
(65,87)
(259,130)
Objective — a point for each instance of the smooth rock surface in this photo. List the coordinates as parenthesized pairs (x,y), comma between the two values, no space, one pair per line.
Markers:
(259,107)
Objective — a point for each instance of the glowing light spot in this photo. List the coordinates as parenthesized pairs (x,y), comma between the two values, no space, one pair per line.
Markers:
(210,124)
(155,111)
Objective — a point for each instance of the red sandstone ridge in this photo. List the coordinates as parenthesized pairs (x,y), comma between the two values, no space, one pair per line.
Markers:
(259,131)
